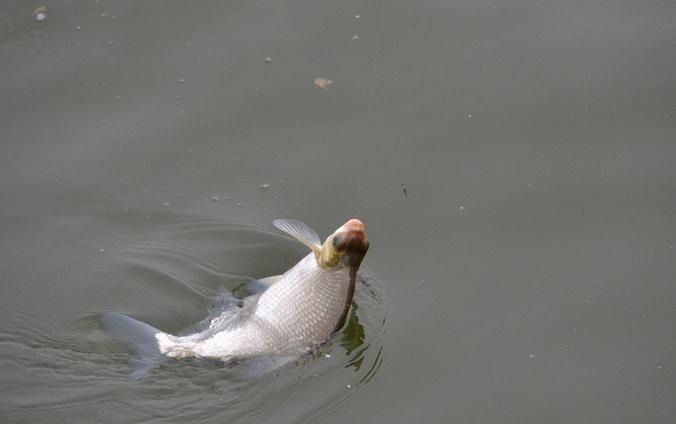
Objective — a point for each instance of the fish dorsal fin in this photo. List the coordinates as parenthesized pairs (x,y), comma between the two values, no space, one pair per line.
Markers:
(301,232)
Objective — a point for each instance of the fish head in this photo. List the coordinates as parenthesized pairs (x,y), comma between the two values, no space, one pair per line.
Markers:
(346,247)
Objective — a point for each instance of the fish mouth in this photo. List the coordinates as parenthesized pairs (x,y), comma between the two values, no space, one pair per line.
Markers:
(352,242)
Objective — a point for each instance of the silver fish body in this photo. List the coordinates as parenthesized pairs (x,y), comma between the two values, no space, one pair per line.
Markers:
(297,312)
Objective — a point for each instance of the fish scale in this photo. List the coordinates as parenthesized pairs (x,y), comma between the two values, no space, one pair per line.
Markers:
(299,311)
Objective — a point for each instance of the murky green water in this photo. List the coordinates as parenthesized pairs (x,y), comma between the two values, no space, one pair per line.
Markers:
(514,162)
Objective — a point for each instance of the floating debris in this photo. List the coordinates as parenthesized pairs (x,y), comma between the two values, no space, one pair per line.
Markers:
(323,83)
(264,186)
(267,60)
(40,14)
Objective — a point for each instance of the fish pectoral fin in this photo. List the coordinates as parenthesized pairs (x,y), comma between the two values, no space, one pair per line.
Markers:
(180,353)
(301,232)
(268,281)
(172,347)
(259,286)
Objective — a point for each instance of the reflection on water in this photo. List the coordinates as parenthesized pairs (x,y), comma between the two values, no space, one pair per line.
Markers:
(352,340)
(353,337)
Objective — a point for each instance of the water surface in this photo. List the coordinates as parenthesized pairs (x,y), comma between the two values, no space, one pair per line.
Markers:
(513,162)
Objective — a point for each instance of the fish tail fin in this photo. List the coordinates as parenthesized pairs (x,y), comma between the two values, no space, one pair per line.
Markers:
(138,335)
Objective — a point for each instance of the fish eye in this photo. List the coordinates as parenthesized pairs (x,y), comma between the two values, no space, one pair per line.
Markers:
(336,241)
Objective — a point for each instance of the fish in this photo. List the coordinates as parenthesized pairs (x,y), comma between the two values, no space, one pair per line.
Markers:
(289,316)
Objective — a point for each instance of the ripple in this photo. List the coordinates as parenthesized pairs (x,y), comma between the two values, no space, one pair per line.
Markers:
(188,260)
